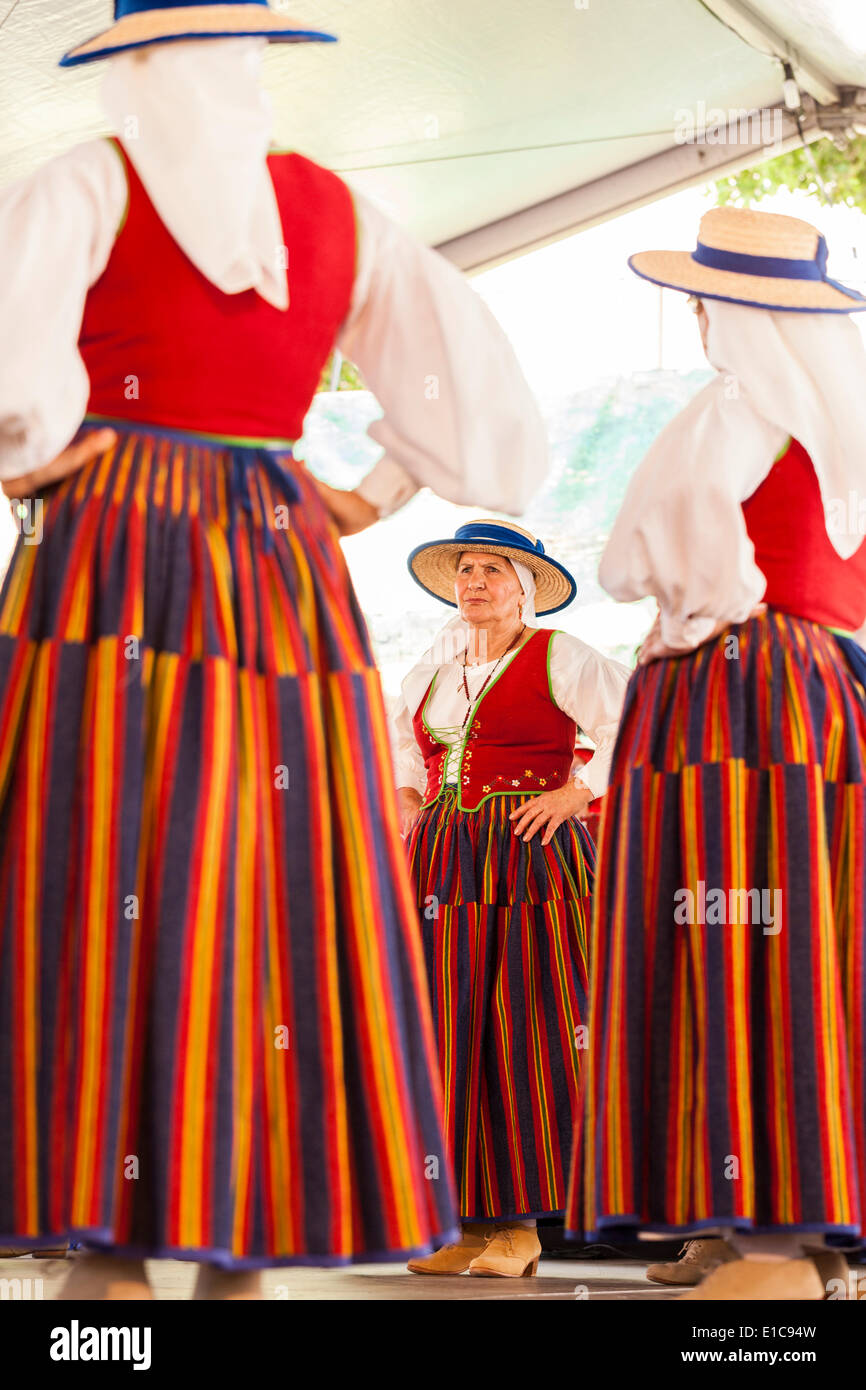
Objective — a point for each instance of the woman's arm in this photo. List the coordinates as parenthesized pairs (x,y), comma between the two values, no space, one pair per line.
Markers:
(57,228)
(408,765)
(590,689)
(350,512)
(68,461)
(548,810)
(458,414)
(680,534)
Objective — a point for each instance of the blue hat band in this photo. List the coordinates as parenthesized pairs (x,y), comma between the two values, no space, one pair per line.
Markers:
(123,8)
(771,267)
(497,535)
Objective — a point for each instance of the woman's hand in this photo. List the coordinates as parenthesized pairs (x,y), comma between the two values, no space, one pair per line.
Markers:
(349,511)
(550,809)
(654,649)
(409,803)
(70,461)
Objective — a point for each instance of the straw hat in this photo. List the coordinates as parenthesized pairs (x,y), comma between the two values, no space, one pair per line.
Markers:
(140,22)
(757,258)
(434,565)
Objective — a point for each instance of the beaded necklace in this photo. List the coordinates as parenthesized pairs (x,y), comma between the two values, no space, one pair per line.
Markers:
(469,700)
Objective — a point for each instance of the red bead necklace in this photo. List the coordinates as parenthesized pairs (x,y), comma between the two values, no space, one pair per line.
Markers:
(469,700)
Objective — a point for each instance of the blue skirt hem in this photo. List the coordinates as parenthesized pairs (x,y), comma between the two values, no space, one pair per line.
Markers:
(518,1216)
(630,1228)
(100,1242)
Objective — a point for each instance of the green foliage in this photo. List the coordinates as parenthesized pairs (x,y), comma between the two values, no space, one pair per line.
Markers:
(843,173)
(350,377)
(597,438)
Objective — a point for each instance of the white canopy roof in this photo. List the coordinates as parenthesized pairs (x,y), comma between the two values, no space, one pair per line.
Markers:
(489,126)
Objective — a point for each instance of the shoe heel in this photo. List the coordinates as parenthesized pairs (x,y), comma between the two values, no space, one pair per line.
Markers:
(531,1270)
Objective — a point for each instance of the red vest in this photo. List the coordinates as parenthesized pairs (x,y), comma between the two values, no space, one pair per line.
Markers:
(805,575)
(519,740)
(164,346)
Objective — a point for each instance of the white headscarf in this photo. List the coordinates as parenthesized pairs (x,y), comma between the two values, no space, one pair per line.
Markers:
(780,374)
(527,584)
(451,641)
(196,123)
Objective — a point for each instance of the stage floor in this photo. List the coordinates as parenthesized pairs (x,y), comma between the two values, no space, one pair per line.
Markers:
(557,1279)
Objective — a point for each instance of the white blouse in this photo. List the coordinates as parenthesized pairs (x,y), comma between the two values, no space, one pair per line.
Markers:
(681,534)
(458,414)
(588,687)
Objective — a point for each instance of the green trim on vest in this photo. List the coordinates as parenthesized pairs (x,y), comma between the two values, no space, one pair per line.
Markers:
(784,449)
(249,441)
(549,650)
(424,710)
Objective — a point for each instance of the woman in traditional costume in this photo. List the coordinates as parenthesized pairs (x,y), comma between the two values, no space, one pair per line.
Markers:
(726,1088)
(503,869)
(215,1041)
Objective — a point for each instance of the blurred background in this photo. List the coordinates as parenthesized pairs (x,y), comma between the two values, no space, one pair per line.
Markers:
(610,358)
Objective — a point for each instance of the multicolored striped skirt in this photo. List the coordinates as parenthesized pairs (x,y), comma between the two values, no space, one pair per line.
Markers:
(726,1071)
(504,923)
(215,1040)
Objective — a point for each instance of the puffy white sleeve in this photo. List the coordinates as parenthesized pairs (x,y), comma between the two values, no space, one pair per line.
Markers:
(57,228)
(680,534)
(590,688)
(459,416)
(408,762)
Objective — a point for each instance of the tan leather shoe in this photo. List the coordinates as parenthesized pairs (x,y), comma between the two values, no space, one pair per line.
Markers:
(453,1259)
(759,1281)
(835,1274)
(511,1254)
(696,1259)
(215,1285)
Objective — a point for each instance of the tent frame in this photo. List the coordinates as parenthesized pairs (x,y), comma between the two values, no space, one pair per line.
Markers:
(721,151)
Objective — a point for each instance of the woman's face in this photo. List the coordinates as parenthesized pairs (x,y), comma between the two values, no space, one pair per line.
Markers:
(487,589)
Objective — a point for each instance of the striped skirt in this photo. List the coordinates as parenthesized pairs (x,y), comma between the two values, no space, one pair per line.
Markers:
(504,925)
(215,1040)
(726,1077)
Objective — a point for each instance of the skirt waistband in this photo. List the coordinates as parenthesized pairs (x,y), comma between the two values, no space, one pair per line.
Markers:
(237,441)
(255,476)
(800,617)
